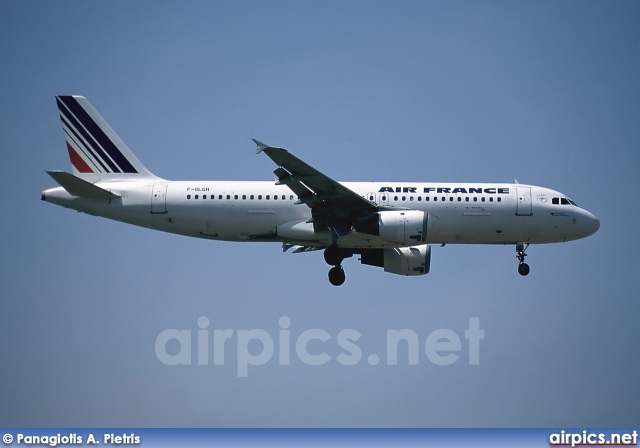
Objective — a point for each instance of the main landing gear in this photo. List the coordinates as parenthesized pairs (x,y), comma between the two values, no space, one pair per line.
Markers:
(523,268)
(334,256)
(336,276)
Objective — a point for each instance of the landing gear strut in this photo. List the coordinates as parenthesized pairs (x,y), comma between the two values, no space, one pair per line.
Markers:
(334,256)
(523,268)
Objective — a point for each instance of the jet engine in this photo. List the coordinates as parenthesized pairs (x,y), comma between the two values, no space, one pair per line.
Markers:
(414,260)
(401,227)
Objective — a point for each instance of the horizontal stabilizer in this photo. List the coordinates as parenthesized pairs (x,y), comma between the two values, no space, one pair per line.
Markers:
(79,187)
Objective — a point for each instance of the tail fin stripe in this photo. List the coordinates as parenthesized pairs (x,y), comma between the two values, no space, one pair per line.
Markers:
(96,152)
(77,161)
(118,158)
(80,144)
(91,144)
(79,119)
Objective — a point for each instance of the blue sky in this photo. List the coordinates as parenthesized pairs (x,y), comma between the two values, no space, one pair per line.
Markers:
(545,92)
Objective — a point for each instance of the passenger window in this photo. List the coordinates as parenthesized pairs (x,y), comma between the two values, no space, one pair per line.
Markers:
(466,199)
(251,197)
(419,198)
(491,199)
(482,199)
(371,197)
(499,199)
(384,198)
(267,197)
(435,199)
(259,197)
(220,196)
(284,197)
(244,196)
(395,198)
(275,197)
(451,199)
(475,199)
(195,197)
(204,196)
(426,198)
(228,197)
(411,198)
(235,196)
(188,196)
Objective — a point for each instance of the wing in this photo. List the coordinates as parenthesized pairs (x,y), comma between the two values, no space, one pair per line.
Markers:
(332,204)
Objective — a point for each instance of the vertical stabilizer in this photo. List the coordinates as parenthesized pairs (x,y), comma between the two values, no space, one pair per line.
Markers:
(95,150)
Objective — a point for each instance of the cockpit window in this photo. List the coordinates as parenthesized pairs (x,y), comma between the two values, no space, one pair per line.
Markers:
(562,201)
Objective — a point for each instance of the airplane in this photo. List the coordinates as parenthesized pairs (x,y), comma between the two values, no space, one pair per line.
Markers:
(388,224)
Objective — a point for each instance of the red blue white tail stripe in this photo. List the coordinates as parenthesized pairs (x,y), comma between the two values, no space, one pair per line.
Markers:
(91,150)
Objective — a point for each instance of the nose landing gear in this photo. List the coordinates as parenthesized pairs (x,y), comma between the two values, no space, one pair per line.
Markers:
(523,268)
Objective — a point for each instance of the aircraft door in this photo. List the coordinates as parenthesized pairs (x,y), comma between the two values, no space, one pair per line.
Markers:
(524,201)
(159,198)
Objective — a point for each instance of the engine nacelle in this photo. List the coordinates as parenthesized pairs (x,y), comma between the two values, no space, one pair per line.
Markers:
(414,260)
(401,227)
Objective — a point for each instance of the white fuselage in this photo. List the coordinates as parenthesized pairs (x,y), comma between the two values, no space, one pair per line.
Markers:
(388,224)
(458,213)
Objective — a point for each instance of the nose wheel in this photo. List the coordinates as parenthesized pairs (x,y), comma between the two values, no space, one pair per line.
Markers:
(523,268)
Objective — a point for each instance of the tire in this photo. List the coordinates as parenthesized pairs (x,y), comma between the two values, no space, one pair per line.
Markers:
(336,276)
(523,269)
(333,256)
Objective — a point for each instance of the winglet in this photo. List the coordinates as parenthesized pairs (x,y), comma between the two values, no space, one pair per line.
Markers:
(261,146)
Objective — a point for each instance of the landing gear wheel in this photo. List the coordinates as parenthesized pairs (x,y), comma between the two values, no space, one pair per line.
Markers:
(333,256)
(336,276)
(523,268)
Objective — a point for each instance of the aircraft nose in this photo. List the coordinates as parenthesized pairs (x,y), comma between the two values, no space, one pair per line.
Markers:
(591,223)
